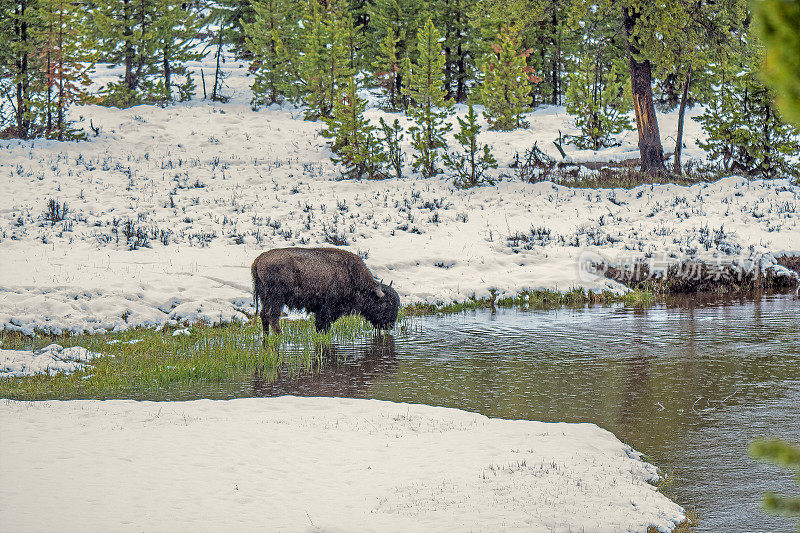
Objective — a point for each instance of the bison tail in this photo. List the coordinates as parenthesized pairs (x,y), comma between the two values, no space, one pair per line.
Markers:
(256,291)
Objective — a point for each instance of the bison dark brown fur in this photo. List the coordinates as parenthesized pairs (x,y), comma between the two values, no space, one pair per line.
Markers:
(325,281)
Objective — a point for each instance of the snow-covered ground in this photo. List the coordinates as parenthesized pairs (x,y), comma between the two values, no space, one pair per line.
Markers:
(51,359)
(201,188)
(313,464)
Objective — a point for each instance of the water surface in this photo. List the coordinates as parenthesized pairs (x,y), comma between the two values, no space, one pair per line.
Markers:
(687,383)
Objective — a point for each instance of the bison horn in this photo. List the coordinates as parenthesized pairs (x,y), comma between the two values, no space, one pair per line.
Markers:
(378,291)
(390,283)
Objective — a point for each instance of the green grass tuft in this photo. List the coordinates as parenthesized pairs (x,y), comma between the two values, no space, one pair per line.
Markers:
(536,299)
(145,363)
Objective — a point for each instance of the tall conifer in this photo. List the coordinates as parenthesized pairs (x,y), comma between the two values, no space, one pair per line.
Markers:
(327,61)
(67,58)
(430,107)
(507,83)
(272,34)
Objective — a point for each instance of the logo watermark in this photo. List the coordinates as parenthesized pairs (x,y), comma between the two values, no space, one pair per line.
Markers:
(634,268)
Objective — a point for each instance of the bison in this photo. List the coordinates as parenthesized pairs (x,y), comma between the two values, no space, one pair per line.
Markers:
(325,281)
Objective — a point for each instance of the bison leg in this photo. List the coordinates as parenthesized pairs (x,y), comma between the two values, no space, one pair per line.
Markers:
(321,321)
(265,323)
(269,317)
(275,322)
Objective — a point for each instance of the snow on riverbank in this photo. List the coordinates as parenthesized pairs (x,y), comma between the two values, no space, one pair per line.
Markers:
(297,464)
(200,188)
(49,360)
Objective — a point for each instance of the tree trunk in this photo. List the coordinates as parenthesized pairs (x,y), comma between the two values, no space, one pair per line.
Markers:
(62,104)
(679,141)
(214,96)
(556,57)
(49,79)
(167,75)
(127,33)
(140,57)
(650,149)
(23,101)
(461,81)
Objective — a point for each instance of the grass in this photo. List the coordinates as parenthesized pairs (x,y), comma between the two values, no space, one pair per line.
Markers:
(535,299)
(144,363)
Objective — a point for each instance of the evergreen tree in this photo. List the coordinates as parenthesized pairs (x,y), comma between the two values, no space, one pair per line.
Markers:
(491,18)
(745,132)
(778,22)
(328,58)
(553,42)
(387,70)
(785,454)
(44,62)
(67,60)
(506,83)
(154,40)
(451,17)
(353,138)
(21,67)
(392,137)
(471,165)
(597,99)
(430,107)
(175,31)
(269,38)
(598,96)
(126,33)
(231,17)
(393,21)
(684,54)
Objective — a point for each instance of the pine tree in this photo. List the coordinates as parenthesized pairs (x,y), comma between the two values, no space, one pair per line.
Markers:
(745,132)
(393,21)
(785,454)
(683,53)
(126,34)
(597,100)
(44,61)
(269,37)
(353,138)
(67,60)
(553,42)
(451,17)
(506,83)
(598,95)
(231,17)
(470,166)
(387,70)
(22,70)
(327,61)
(392,137)
(778,22)
(429,108)
(491,18)
(175,32)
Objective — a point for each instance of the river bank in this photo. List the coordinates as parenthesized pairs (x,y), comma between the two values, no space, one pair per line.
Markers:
(352,465)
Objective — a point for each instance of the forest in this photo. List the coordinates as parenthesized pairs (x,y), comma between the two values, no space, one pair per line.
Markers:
(602,61)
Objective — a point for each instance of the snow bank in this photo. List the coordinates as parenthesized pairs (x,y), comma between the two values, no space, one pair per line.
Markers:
(49,360)
(167,208)
(322,464)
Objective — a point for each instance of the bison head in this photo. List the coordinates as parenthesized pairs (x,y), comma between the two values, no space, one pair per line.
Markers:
(380,306)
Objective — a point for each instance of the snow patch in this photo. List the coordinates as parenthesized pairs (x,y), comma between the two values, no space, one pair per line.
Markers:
(324,464)
(51,360)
